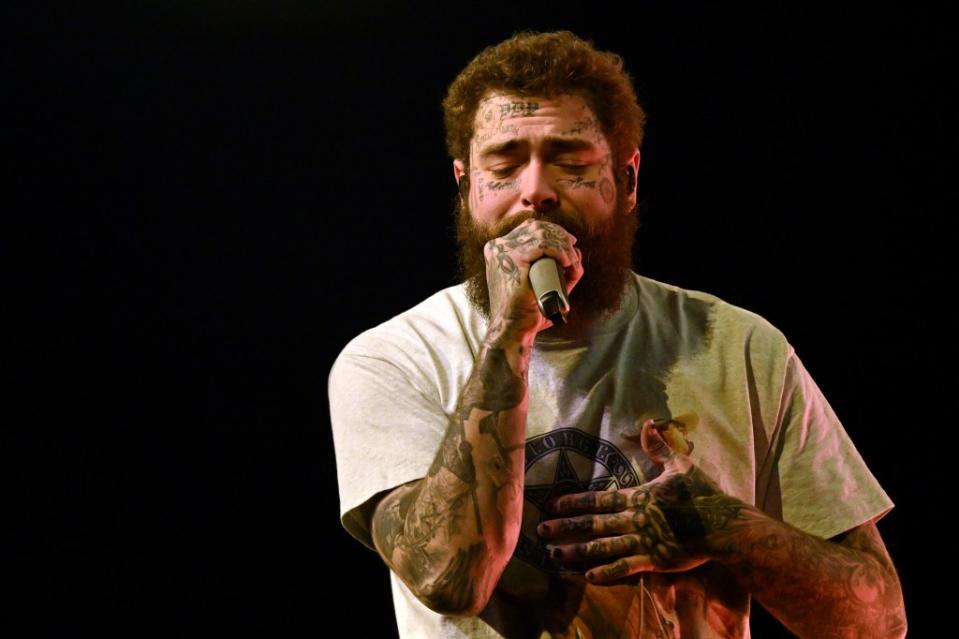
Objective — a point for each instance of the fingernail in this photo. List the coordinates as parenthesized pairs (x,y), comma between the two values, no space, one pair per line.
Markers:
(555,553)
(542,529)
(591,575)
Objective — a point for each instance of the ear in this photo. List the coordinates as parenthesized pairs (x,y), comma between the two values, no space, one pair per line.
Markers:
(459,170)
(460,174)
(633,162)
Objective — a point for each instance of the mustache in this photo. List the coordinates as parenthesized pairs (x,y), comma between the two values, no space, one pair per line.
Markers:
(571,222)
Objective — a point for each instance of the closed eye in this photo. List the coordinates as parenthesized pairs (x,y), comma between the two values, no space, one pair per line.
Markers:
(501,172)
(575,169)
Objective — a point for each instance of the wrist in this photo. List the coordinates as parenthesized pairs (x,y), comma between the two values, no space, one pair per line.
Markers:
(734,531)
(509,337)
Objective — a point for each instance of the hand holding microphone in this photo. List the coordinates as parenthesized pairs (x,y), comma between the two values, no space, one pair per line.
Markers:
(530,272)
(549,286)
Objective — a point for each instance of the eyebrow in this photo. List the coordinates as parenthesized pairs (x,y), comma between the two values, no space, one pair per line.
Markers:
(553,146)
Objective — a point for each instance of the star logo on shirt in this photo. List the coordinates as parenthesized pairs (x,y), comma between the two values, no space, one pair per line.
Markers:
(565,481)
(560,462)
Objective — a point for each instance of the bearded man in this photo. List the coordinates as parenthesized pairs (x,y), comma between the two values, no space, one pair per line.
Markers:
(640,467)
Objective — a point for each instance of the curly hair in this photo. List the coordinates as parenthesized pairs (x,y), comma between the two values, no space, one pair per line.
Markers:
(547,65)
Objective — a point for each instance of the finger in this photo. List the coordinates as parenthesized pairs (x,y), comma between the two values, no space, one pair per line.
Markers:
(572,255)
(658,447)
(583,527)
(620,568)
(551,238)
(605,547)
(601,501)
(553,228)
(639,563)
(556,528)
(548,231)
(526,250)
(654,444)
(575,271)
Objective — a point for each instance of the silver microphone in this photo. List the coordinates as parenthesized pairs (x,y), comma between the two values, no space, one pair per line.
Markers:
(549,286)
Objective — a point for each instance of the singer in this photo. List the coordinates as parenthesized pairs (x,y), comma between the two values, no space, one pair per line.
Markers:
(643,468)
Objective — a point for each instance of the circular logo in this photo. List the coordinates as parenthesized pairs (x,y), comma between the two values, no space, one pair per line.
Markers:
(562,462)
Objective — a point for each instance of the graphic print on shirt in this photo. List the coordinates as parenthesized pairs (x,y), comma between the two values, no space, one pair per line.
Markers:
(561,462)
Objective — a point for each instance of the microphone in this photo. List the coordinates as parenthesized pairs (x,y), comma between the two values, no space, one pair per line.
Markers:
(549,286)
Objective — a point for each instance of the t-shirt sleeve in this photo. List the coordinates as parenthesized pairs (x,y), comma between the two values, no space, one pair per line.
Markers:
(386,430)
(825,484)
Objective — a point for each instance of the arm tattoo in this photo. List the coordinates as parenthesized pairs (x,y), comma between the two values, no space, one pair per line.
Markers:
(499,387)
(853,583)
(456,456)
(421,530)
(453,588)
(409,524)
(499,466)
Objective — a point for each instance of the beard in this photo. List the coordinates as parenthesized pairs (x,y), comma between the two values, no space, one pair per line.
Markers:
(606,245)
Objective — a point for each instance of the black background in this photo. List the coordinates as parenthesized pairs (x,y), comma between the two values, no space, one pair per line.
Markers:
(200,190)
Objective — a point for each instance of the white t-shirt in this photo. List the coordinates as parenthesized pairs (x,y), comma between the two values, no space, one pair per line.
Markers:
(756,422)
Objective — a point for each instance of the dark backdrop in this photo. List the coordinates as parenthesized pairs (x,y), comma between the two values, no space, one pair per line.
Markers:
(200,194)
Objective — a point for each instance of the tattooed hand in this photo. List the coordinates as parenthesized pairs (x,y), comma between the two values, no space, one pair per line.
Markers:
(514,314)
(667,525)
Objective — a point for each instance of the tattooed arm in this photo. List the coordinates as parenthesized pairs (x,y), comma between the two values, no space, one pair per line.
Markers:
(449,535)
(846,588)
(817,587)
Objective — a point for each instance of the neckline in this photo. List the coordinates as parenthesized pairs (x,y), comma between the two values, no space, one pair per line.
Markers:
(606,324)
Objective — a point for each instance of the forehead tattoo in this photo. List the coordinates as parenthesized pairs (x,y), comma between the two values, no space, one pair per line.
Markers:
(497,108)
(496,117)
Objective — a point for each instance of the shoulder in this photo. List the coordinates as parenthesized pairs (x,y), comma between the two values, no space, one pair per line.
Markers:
(443,325)
(724,324)
(445,314)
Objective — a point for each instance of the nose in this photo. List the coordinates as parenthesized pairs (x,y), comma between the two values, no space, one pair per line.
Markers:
(536,188)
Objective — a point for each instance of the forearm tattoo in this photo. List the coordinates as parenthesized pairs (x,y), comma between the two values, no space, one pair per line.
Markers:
(852,584)
(494,387)
(453,588)
(424,532)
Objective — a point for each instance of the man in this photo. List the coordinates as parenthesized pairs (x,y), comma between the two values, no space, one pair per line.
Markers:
(638,471)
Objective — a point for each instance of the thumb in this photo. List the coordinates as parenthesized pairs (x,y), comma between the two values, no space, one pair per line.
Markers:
(653,442)
(658,448)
